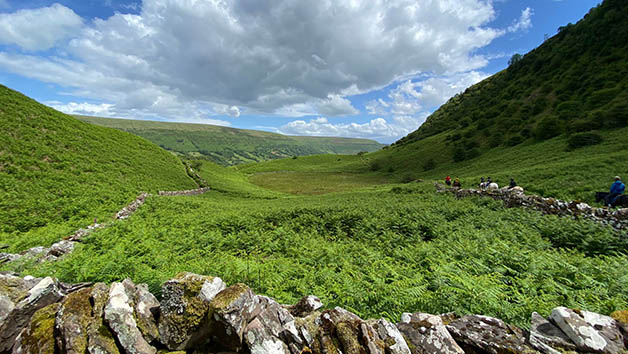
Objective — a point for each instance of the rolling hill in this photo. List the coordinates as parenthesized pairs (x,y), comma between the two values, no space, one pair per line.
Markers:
(58,173)
(230,146)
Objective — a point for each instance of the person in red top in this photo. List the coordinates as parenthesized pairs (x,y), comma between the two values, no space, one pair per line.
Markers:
(448,181)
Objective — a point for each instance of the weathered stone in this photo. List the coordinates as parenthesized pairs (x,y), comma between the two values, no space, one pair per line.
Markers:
(119,316)
(390,335)
(482,333)
(146,306)
(547,338)
(38,336)
(275,321)
(8,257)
(61,248)
(305,306)
(183,322)
(231,310)
(308,327)
(260,340)
(352,334)
(73,319)
(589,331)
(43,294)
(428,334)
(12,290)
(100,338)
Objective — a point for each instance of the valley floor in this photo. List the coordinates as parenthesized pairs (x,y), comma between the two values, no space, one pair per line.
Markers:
(377,250)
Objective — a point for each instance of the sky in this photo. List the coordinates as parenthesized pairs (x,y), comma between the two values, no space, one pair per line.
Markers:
(353,68)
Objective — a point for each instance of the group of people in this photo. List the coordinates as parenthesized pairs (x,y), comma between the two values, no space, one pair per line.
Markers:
(483,183)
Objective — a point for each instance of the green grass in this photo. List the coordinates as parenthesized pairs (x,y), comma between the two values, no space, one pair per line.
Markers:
(230,146)
(58,173)
(378,252)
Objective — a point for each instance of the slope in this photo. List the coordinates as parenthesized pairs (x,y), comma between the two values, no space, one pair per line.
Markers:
(57,173)
(575,82)
(230,146)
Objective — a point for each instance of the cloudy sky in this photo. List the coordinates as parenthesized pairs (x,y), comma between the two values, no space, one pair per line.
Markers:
(356,68)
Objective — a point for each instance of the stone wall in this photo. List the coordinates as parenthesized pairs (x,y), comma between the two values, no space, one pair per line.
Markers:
(65,246)
(201,314)
(516,198)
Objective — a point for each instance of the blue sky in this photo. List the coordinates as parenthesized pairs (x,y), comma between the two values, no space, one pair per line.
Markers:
(358,68)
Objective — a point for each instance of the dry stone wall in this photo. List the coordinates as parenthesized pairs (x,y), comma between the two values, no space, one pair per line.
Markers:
(618,218)
(65,246)
(202,314)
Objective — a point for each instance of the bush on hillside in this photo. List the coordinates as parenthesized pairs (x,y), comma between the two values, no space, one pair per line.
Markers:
(583,139)
(459,154)
(430,164)
(547,128)
(514,140)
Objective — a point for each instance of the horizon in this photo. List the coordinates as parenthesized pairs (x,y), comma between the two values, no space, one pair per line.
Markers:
(359,70)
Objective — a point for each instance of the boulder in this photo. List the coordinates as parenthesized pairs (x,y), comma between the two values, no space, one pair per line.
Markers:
(183,322)
(60,249)
(146,307)
(272,324)
(120,318)
(393,340)
(475,333)
(589,331)
(73,318)
(343,331)
(38,336)
(547,338)
(46,292)
(100,338)
(230,311)
(305,306)
(428,334)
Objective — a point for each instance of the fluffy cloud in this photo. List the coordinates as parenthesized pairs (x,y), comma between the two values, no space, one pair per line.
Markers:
(89,109)
(265,57)
(524,22)
(410,98)
(231,111)
(336,106)
(377,128)
(38,29)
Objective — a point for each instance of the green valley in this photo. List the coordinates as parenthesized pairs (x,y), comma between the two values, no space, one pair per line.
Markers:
(230,146)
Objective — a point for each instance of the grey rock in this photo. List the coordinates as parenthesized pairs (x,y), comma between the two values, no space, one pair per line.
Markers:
(260,340)
(72,321)
(352,334)
(46,292)
(391,336)
(146,306)
(183,322)
(8,257)
(589,331)
(100,338)
(38,335)
(547,338)
(231,310)
(428,334)
(488,334)
(119,316)
(305,306)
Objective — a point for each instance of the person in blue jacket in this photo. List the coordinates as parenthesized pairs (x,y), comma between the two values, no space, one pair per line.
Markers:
(617,188)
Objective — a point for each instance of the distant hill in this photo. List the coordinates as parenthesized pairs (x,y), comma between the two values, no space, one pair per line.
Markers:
(230,146)
(57,172)
(576,83)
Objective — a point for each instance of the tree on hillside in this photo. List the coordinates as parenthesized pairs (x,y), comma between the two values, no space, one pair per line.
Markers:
(515,58)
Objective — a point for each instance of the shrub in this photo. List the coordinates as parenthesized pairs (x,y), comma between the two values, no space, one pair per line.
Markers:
(583,139)
(430,164)
(375,166)
(459,154)
(514,140)
(547,128)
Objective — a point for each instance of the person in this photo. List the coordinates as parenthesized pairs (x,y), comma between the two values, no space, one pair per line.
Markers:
(512,184)
(617,188)
(457,183)
(448,181)
(488,180)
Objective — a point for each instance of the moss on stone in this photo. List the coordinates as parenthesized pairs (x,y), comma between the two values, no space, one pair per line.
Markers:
(621,316)
(13,288)
(348,337)
(39,336)
(226,297)
(77,308)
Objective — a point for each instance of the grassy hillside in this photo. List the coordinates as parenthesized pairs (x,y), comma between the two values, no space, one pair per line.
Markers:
(230,146)
(575,85)
(58,173)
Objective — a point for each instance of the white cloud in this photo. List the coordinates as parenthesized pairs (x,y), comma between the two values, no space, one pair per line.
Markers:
(281,57)
(38,29)
(410,98)
(232,111)
(524,22)
(88,109)
(336,106)
(377,128)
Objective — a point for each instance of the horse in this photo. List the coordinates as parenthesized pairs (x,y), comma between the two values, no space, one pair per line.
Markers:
(621,200)
(489,185)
